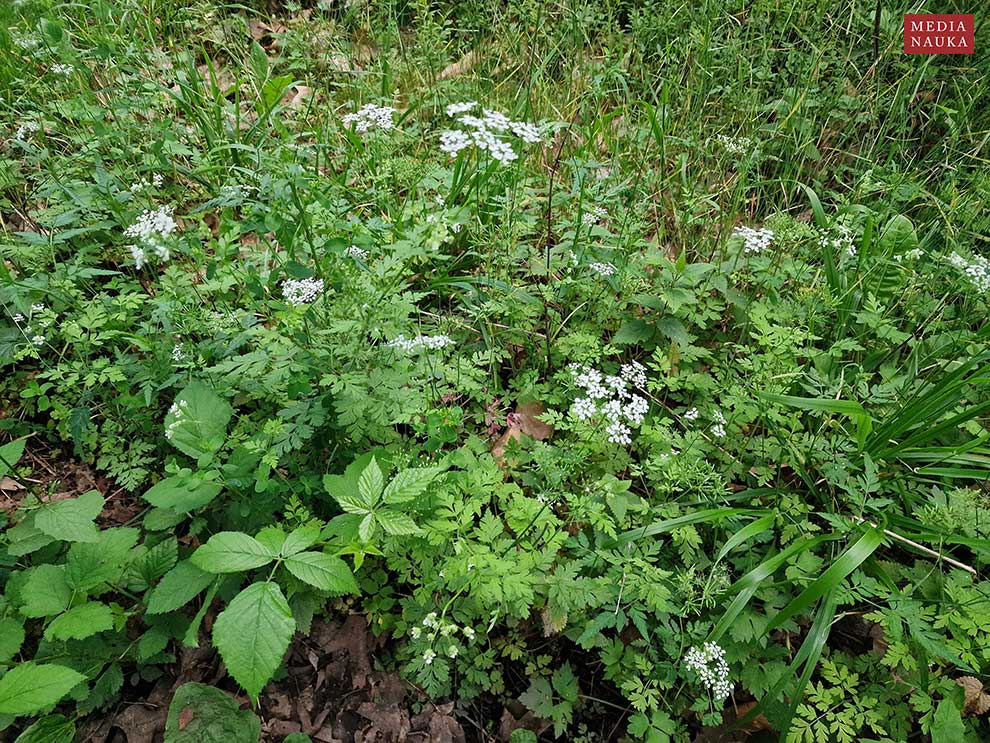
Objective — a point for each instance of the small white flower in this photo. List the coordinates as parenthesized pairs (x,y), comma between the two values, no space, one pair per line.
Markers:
(430,620)
(735,145)
(428,657)
(691,415)
(431,342)
(370,117)
(62,69)
(713,671)
(25,130)
(594,215)
(618,433)
(755,241)
(151,230)
(455,109)
(451,651)
(415,633)
(603,269)
(975,269)
(38,340)
(37,308)
(584,409)
(468,633)
(18,318)
(301,291)
(634,373)
(357,253)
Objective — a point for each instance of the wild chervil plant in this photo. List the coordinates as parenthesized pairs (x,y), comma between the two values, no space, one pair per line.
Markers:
(651,408)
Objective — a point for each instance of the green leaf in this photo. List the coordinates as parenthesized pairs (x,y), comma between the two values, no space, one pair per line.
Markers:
(522,735)
(397,524)
(323,571)
(51,729)
(947,725)
(183,493)
(300,539)
(196,423)
(204,714)
(31,687)
(370,484)
(71,520)
(231,552)
(10,453)
(11,638)
(253,633)
(81,622)
(178,587)
(410,484)
(46,592)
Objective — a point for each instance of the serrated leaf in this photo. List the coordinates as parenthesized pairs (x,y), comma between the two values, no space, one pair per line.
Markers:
(196,423)
(183,493)
(203,714)
(409,484)
(31,687)
(178,587)
(46,592)
(272,537)
(326,572)
(370,484)
(90,565)
(947,724)
(157,562)
(11,638)
(253,633)
(396,524)
(81,622)
(231,552)
(71,520)
(10,453)
(51,729)
(300,539)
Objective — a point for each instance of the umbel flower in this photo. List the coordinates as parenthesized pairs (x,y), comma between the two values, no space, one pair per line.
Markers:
(755,241)
(370,117)
(611,398)
(301,291)
(487,133)
(151,232)
(709,663)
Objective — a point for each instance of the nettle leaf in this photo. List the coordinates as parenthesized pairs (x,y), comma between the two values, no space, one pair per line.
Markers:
(71,520)
(11,638)
(410,484)
(370,484)
(300,539)
(253,633)
(46,592)
(180,585)
(183,493)
(81,622)
(323,571)
(51,729)
(31,687)
(203,714)
(196,424)
(396,524)
(232,552)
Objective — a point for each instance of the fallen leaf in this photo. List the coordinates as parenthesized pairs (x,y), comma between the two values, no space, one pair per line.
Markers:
(977,701)
(464,64)
(7,483)
(523,421)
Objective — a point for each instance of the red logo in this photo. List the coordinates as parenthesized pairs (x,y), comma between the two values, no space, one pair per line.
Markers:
(930,33)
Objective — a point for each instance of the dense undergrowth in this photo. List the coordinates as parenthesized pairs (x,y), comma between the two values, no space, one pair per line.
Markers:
(659,397)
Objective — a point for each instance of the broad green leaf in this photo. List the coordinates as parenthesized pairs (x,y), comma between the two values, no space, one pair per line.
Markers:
(25,538)
(178,587)
(196,423)
(370,484)
(183,493)
(46,592)
(272,537)
(410,484)
(204,714)
(947,725)
(231,552)
(10,453)
(81,622)
(91,565)
(31,687)
(300,539)
(326,572)
(155,563)
(397,524)
(71,520)
(51,729)
(253,633)
(11,638)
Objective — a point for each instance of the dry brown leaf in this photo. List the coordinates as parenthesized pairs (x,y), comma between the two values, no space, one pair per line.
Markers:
(301,95)
(7,483)
(523,421)
(977,701)
(464,64)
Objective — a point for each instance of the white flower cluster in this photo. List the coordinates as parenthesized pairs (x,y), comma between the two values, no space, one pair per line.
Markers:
(301,291)
(755,241)
(610,397)
(25,130)
(370,117)
(485,132)
(976,269)
(357,253)
(593,216)
(437,628)
(603,269)
(156,180)
(23,41)
(178,411)
(62,69)
(431,342)
(838,239)
(151,230)
(735,145)
(709,663)
(912,255)
(718,428)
